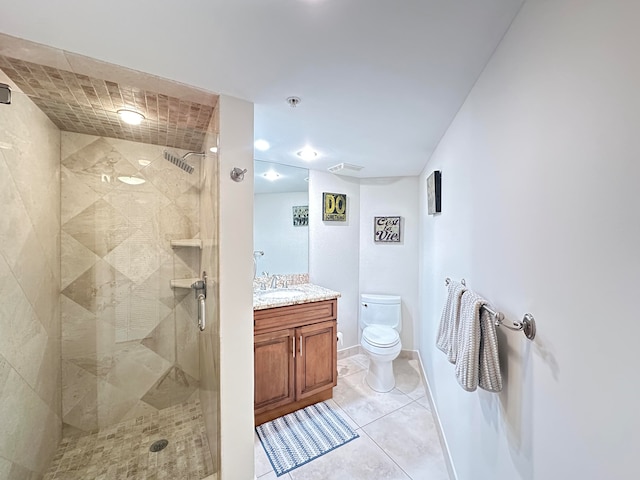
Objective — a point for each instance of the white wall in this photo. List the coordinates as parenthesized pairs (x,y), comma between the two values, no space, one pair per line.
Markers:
(334,247)
(236,295)
(391,268)
(285,246)
(540,179)
(343,256)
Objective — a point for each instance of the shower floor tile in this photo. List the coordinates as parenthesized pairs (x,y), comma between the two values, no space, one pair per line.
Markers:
(122,451)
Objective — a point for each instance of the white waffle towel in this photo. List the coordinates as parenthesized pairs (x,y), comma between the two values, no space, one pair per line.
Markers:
(477,362)
(490,377)
(447,339)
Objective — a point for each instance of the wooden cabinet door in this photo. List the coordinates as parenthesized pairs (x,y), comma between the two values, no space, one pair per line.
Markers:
(316,365)
(274,369)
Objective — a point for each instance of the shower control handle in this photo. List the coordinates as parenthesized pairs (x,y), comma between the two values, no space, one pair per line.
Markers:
(237,174)
(200,286)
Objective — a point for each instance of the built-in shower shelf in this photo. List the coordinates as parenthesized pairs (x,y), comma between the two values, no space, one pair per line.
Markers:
(183,282)
(188,242)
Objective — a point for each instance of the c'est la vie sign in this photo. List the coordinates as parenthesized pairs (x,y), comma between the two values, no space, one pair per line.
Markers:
(334,207)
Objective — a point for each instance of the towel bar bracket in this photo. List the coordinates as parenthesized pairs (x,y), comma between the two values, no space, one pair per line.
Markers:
(447,281)
(527,325)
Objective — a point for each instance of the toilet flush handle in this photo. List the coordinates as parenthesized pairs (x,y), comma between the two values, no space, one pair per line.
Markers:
(364,304)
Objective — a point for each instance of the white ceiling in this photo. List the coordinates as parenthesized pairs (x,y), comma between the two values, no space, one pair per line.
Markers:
(380,80)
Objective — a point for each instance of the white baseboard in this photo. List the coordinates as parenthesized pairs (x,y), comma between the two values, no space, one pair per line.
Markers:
(443,440)
(357,349)
(348,352)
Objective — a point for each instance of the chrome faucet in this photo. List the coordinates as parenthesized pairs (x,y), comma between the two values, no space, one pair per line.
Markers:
(263,283)
(274,281)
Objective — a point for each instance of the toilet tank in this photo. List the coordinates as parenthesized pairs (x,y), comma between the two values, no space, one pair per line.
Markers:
(380,310)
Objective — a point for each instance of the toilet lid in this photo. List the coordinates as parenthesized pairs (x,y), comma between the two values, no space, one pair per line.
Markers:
(380,336)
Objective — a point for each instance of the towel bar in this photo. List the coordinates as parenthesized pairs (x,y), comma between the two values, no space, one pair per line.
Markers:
(527,324)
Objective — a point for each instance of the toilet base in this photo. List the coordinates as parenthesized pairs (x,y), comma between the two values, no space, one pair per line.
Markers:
(380,376)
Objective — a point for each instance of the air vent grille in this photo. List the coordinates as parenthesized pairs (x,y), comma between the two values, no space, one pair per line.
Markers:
(345,168)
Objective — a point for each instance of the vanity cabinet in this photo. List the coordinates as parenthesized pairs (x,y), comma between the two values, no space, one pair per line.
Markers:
(295,357)
(274,369)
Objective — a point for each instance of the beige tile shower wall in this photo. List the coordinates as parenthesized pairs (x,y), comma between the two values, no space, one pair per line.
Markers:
(209,338)
(30,405)
(129,341)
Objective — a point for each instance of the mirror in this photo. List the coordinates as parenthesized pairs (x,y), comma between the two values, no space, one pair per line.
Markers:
(281,219)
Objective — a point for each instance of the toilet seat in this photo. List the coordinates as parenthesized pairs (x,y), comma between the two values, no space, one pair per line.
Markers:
(380,336)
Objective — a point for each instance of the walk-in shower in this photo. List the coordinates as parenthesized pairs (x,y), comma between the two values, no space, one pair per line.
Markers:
(102,352)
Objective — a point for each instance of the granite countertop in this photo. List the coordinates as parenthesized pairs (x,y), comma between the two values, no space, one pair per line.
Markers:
(294,295)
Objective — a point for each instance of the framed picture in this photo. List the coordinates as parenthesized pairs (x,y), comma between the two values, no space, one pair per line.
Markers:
(434,194)
(300,215)
(334,207)
(387,229)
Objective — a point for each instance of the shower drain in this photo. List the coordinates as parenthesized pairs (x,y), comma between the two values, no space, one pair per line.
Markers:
(159,445)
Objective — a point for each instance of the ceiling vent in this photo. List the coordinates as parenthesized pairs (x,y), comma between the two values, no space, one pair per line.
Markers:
(293,101)
(345,169)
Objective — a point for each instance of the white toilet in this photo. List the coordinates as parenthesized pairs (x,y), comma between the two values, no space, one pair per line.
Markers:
(380,325)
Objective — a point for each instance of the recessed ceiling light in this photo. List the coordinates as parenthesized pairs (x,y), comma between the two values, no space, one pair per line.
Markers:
(132,180)
(130,116)
(307,153)
(262,145)
(213,149)
(271,175)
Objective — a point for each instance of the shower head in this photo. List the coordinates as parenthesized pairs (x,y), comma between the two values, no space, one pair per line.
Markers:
(179,161)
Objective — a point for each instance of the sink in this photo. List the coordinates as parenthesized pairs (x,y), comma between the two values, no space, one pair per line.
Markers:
(279,294)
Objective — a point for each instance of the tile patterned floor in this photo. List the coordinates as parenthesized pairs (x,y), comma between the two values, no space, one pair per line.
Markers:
(398,436)
(122,451)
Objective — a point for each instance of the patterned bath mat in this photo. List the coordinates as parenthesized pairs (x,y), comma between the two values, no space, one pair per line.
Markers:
(301,436)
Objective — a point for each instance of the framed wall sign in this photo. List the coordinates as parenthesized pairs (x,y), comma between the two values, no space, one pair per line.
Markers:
(300,215)
(334,207)
(434,194)
(387,229)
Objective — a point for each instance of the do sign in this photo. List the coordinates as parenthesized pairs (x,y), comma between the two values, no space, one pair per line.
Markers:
(334,207)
